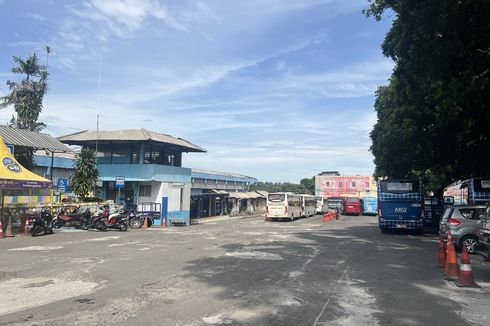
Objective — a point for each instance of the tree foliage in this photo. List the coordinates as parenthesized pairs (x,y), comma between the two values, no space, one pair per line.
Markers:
(433,116)
(26,96)
(86,174)
(306,186)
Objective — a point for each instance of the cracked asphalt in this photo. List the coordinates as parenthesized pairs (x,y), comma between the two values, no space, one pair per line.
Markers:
(237,272)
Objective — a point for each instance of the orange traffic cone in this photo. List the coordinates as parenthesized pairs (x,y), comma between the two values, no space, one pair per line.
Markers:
(441,261)
(451,271)
(465,271)
(1,230)
(145,224)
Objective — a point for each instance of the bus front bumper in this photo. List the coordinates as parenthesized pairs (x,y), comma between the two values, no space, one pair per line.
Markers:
(401,224)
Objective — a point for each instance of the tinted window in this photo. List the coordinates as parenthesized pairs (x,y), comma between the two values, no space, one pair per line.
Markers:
(276,197)
(472,213)
(399,186)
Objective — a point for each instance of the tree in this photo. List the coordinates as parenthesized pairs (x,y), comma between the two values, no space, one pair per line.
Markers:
(433,116)
(26,97)
(86,174)
(309,185)
(306,186)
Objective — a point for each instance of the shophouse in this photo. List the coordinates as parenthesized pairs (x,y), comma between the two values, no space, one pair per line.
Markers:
(219,193)
(147,166)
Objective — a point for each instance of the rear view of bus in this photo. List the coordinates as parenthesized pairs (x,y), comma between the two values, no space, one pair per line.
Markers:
(400,205)
(283,205)
(369,205)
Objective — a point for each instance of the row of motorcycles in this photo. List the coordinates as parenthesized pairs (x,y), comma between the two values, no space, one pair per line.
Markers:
(101,220)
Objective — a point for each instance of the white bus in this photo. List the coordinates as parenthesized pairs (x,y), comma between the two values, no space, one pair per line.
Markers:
(308,205)
(321,205)
(284,205)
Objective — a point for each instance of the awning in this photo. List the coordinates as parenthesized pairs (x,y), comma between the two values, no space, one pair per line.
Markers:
(246,195)
(15,176)
(32,139)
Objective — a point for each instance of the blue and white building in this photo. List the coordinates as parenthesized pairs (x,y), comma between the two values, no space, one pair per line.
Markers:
(148,163)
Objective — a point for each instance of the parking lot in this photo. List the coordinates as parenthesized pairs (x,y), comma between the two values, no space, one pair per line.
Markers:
(238,272)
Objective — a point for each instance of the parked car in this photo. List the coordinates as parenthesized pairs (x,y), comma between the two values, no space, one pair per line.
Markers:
(463,222)
(483,234)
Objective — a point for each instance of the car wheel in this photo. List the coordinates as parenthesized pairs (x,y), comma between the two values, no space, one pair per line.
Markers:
(470,242)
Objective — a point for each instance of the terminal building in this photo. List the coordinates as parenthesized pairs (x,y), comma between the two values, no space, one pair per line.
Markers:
(150,165)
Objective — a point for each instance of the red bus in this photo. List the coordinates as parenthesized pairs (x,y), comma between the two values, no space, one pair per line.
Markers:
(352,206)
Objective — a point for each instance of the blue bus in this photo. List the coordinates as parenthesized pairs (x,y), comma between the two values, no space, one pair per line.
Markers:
(369,205)
(400,205)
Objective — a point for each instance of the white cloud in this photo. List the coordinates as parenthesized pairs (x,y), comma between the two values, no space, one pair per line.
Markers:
(34,16)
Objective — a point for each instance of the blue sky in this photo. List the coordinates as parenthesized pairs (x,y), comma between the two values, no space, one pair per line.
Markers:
(275,89)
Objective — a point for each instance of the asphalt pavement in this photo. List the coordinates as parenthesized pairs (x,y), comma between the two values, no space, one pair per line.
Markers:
(237,272)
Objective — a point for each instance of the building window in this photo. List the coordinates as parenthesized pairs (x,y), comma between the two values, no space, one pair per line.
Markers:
(104,153)
(353,184)
(121,154)
(145,191)
(340,185)
(135,154)
(181,199)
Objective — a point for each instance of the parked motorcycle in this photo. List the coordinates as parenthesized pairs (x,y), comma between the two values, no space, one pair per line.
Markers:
(117,221)
(136,221)
(41,224)
(96,221)
(75,219)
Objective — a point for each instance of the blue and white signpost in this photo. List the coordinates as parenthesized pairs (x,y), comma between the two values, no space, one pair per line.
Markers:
(119,184)
(62,185)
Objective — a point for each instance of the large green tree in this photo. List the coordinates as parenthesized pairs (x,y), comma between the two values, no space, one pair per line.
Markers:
(26,97)
(86,173)
(433,116)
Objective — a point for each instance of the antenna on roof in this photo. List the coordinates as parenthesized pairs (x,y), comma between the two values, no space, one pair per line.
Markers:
(98,106)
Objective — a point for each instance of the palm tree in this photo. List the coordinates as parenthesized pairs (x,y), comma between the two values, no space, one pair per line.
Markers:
(27,96)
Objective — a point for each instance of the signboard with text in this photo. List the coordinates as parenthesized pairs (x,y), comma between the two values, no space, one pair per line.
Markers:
(120,183)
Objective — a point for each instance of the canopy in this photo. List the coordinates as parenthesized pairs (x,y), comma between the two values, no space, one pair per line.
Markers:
(15,176)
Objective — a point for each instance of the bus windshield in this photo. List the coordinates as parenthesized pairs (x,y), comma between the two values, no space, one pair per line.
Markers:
(400,187)
(277,197)
(352,200)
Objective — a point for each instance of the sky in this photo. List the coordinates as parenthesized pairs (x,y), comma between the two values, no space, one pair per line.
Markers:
(279,90)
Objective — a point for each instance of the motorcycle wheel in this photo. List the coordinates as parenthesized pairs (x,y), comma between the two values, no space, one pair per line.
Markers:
(37,230)
(135,223)
(101,226)
(57,224)
(123,227)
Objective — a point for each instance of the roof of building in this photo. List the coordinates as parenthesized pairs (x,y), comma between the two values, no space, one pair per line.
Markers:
(209,174)
(246,195)
(32,139)
(84,137)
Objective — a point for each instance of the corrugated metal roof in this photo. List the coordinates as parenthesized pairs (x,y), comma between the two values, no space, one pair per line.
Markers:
(129,135)
(36,140)
(225,174)
(246,195)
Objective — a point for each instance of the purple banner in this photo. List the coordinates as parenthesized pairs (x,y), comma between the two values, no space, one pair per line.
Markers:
(23,184)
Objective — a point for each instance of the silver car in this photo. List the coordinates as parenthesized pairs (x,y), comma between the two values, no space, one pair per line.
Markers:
(463,223)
